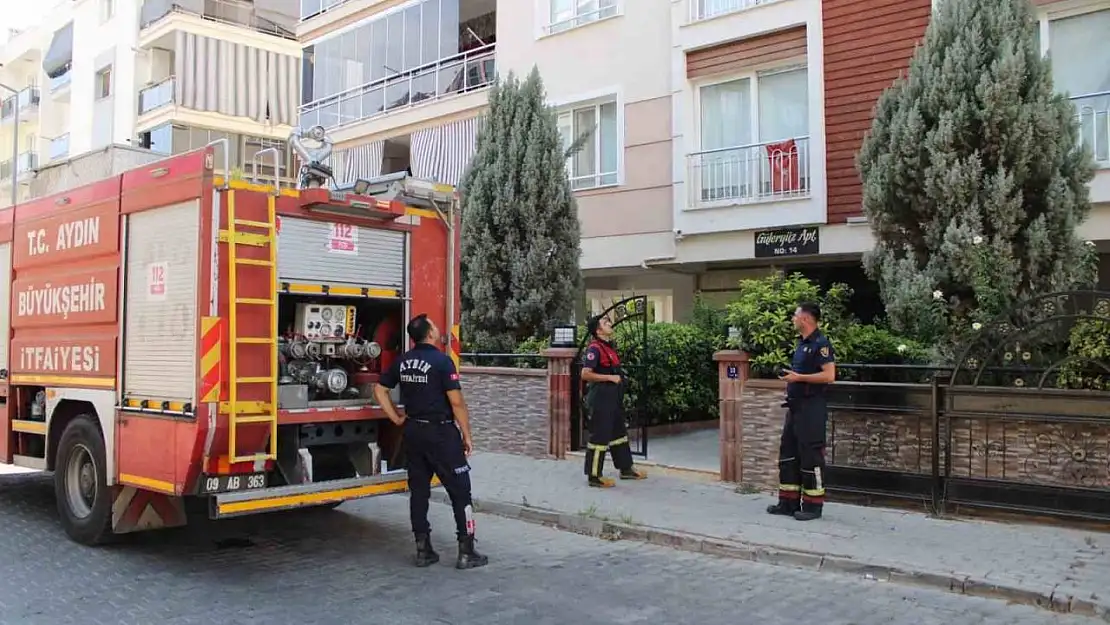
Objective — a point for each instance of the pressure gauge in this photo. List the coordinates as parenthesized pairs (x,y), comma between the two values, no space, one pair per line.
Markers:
(325,314)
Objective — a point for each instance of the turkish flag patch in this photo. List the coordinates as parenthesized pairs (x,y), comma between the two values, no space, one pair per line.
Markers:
(454,377)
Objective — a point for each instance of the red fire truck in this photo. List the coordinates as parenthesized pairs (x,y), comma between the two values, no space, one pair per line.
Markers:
(174,337)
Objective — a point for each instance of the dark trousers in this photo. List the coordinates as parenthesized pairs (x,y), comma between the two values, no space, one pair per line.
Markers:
(437,449)
(802,454)
(608,431)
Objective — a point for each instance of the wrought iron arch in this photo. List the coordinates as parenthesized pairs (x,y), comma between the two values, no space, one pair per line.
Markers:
(1031,343)
(629,317)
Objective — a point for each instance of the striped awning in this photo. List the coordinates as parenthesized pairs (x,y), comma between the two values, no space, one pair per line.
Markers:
(442,153)
(363,161)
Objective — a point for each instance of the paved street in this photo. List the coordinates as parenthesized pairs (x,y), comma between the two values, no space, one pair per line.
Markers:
(351,566)
(1043,559)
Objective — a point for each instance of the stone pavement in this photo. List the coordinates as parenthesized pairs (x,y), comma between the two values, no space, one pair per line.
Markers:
(1061,569)
(352,565)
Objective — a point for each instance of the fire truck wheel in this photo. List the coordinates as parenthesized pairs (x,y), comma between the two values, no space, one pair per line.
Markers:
(84,501)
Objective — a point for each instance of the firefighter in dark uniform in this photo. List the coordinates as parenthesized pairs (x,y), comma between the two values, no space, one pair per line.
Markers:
(802,450)
(601,371)
(436,433)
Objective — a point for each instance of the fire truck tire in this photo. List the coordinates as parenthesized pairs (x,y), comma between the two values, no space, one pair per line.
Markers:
(80,483)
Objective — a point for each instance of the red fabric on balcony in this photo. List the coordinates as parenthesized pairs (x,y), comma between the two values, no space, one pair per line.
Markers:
(783,158)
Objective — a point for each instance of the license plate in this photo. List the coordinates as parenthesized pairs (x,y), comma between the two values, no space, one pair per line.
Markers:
(211,484)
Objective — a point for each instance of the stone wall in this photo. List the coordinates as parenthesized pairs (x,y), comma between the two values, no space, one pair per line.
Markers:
(508,409)
(762,415)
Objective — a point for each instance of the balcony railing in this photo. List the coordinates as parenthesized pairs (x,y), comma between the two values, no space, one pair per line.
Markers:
(59,147)
(708,9)
(608,10)
(156,96)
(761,172)
(27,97)
(61,81)
(312,8)
(26,162)
(1093,112)
(232,12)
(454,75)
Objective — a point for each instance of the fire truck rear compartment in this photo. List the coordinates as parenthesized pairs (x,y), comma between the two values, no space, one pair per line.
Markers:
(331,348)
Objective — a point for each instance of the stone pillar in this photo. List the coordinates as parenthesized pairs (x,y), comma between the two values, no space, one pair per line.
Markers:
(732,369)
(559,361)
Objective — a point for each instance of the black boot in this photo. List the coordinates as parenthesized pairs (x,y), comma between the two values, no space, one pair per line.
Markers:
(425,555)
(784,507)
(810,512)
(468,557)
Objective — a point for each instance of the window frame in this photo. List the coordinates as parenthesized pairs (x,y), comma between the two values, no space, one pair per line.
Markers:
(1045,16)
(569,109)
(548,26)
(101,73)
(752,76)
(107,10)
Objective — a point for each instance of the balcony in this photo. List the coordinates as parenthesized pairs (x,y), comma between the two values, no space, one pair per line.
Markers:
(59,147)
(61,82)
(1093,113)
(27,98)
(459,74)
(156,96)
(230,12)
(709,9)
(762,172)
(26,162)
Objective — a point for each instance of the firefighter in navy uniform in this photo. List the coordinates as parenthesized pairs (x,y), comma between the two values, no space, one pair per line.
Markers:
(436,432)
(601,370)
(802,449)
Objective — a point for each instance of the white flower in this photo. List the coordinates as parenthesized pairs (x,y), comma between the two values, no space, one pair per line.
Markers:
(902,348)
(938,294)
(977,240)
(976,326)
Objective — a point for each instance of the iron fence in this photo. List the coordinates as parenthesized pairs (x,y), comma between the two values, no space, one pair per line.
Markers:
(1020,423)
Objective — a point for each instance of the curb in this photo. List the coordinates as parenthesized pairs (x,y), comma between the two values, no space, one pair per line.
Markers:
(777,556)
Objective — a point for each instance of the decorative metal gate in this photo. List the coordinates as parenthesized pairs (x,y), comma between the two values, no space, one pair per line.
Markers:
(629,317)
(1021,423)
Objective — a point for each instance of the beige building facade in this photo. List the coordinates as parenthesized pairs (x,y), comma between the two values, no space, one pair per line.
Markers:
(723,131)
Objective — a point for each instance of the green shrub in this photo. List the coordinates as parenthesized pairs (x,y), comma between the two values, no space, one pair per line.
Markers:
(678,381)
(1088,354)
(762,311)
(873,345)
(762,316)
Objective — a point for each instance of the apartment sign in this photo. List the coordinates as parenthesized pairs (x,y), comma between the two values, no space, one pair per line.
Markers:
(787,242)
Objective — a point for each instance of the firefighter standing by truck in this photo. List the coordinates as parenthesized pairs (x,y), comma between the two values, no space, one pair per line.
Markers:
(436,431)
(802,447)
(601,370)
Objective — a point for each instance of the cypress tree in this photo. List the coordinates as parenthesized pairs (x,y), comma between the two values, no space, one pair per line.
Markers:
(520,229)
(973,179)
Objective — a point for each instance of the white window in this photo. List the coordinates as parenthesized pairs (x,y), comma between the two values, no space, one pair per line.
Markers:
(103,83)
(567,14)
(107,10)
(753,135)
(596,162)
(1081,68)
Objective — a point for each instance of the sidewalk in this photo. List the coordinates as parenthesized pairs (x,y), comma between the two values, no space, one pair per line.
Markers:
(1061,569)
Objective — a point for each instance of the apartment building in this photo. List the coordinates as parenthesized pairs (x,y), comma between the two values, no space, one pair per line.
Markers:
(164,76)
(724,131)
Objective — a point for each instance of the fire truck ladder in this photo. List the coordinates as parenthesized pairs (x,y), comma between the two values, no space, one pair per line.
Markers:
(245,412)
